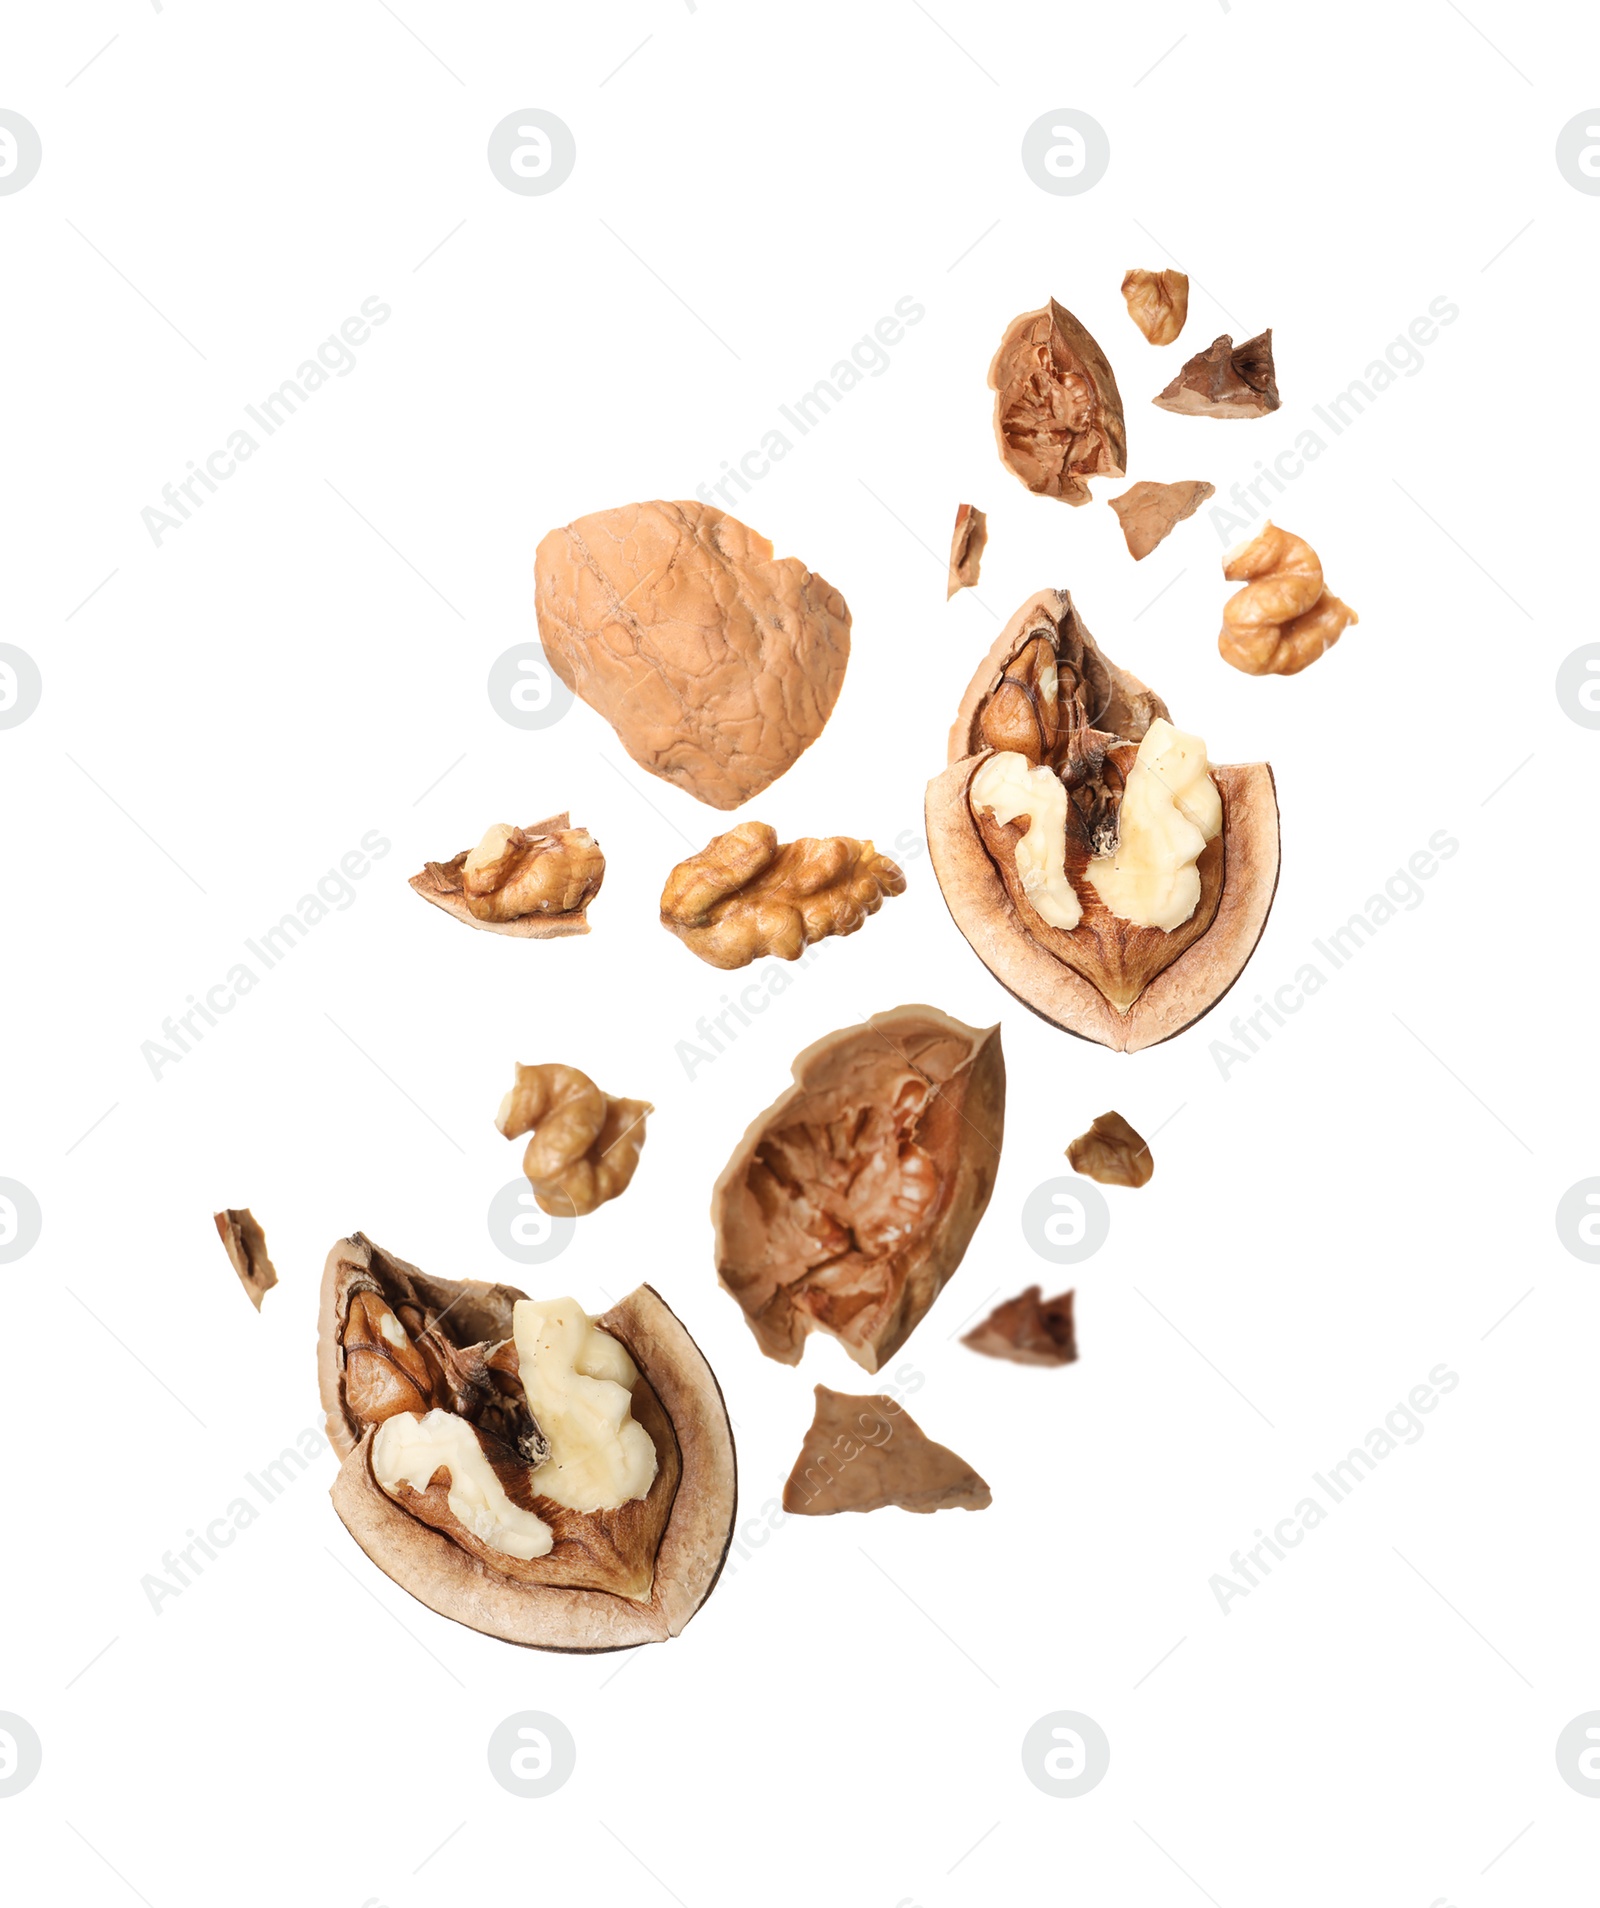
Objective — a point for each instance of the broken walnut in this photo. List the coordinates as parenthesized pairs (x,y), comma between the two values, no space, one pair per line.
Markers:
(534,882)
(1149,513)
(1102,869)
(850,1201)
(585,1145)
(864,1453)
(1057,412)
(1112,1153)
(246,1246)
(1283,619)
(967,542)
(716,664)
(1029,1330)
(744,895)
(547,1478)
(1225,380)
(1158,303)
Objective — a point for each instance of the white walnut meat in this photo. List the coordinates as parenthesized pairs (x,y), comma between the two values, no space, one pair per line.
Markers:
(967,543)
(1283,619)
(1158,302)
(1225,380)
(1057,411)
(1149,512)
(745,894)
(456,1493)
(850,1201)
(1137,905)
(865,1453)
(535,883)
(586,1143)
(716,664)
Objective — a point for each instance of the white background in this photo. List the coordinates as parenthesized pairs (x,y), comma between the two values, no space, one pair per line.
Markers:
(1366,1197)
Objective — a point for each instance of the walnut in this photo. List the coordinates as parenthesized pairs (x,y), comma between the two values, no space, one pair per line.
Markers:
(1057,412)
(1112,1152)
(744,896)
(850,1201)
(456,1493)
(967,541)
(716,665)
(1117,887)
(1158,303)
(1029,1330)
(1225,380)
(1150,512)
(585,1145)
(534,882)
(246,1246)
(1283,619)
(863,1453)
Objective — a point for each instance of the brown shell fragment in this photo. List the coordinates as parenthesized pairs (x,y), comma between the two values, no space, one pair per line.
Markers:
(246,1246)
(1029,1330)
(863,1453)
(539,891)
(1225,380)
(1149,513)
(1112,1153)
(967,542)
(613,1578)
(716,664)
(1158,302)
(1057,411)
(850,1201)
(743,895)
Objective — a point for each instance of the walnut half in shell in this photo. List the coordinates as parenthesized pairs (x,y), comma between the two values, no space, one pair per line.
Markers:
(1101,868)
(850,1201)
(409,1364)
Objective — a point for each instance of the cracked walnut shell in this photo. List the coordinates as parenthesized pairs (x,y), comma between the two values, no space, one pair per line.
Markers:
(743,895)
(585,1145)
(534,882)
(1158,302)
(850,1201)
(1040,916)
(1112,1153)
(393,1340)
(1149,512)
(1029,1330)
(1283,619)
(1057,411)
(1225,380)
(863,1453)
(716,664)
(967,542)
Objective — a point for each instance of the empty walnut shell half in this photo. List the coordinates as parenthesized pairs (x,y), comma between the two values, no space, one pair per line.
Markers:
(534,882)
(392,1340)
(1062,949)
(1057,411)
(850,1201)
(716,663)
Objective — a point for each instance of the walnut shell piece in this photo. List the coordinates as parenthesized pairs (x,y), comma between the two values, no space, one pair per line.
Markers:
(850,1201)
(863,1453)
(1225,380)
(1029,1330)
(1057,411)
(1112,1153)
(743,895)
(612,1579)
(535,883)
(1149,513)
(246,1246)
(967,543)
(1158,303)
(716,664)
(1283,619)
(585,1145)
